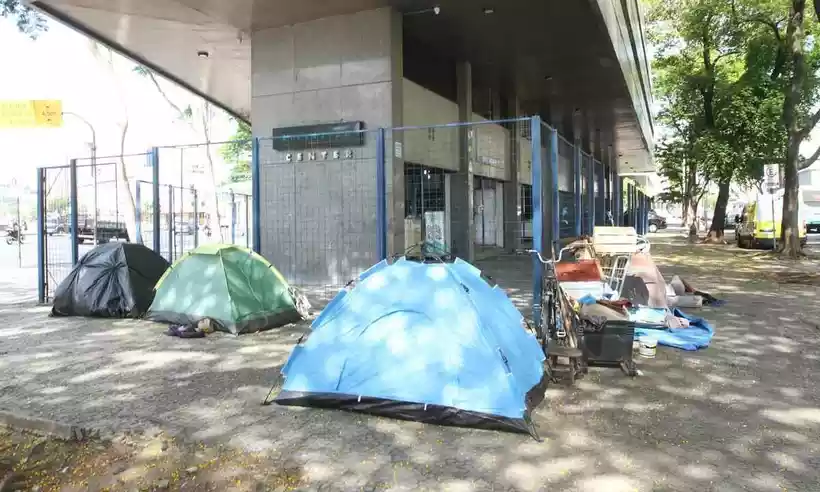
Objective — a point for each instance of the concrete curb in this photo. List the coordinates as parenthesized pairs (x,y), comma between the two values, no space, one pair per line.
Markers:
(46,427)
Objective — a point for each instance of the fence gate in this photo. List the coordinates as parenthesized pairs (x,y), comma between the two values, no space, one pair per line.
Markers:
(55,254)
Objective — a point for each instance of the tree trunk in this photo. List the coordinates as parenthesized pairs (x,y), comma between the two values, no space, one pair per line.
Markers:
(694,216)
(685,212)
(719,218)
(795,37)
(206,130)
(125,192)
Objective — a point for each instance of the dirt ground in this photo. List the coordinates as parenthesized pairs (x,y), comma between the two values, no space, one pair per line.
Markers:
(742,415)
(31,462)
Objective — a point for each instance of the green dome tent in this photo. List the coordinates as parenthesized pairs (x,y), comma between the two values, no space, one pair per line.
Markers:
(231,285)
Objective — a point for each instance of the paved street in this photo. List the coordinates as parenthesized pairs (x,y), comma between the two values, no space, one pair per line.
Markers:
(741,415)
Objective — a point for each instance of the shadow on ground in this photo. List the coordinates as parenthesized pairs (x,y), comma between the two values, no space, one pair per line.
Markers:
(741,415)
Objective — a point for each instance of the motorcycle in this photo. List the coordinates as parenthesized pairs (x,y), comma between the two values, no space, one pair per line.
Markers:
(13,235)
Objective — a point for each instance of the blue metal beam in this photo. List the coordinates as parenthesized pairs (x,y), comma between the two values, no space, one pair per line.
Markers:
(256,186)
(537,220)
(381,195)
(555,233)
(74,211)
(577,189)
(590,198)
(154,156)
(41,235)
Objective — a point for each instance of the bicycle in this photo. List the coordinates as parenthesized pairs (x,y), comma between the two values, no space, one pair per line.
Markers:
(558,332)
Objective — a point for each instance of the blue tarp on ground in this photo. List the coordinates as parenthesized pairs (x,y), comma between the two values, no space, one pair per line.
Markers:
(425,334)
(697,336)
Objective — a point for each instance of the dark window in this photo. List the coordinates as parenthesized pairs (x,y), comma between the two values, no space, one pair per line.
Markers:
(526,202)
(423,190)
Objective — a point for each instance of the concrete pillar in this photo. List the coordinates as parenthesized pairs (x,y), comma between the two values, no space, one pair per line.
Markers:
(461,184)
(335,69)
(512,187)
(622,200)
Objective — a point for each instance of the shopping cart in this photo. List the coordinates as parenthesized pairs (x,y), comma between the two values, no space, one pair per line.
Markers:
(614,268)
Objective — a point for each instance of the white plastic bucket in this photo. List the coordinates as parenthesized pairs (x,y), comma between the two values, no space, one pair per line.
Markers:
(647,347)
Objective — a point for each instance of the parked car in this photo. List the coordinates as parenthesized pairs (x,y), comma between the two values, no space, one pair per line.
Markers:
(656,222)
(55,225)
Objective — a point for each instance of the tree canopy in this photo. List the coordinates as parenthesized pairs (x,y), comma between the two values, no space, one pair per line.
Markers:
(28,20)
(237,152)
(723,70)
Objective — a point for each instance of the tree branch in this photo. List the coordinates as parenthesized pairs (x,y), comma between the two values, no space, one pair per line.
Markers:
(164,95)
(724,55)
(803,164)
(813,120)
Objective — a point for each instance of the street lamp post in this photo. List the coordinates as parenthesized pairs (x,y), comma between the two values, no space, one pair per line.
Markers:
(93,165)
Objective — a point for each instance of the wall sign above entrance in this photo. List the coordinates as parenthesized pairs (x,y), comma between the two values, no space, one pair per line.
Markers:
(320,136)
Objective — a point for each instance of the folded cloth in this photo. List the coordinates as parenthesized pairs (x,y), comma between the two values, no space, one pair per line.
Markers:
(185,331)
(673,321)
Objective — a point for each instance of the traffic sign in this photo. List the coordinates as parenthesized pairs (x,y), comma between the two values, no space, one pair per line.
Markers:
(771,176)
(31,114)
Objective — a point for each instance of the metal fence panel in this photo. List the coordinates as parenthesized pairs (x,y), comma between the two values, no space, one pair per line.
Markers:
(569,216)
(18,212)
(319,207)
(586,192)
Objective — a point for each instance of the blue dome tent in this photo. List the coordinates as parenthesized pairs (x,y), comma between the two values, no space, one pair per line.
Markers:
(428,342)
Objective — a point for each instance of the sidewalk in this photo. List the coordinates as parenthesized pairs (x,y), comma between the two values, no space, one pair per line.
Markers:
(741,415)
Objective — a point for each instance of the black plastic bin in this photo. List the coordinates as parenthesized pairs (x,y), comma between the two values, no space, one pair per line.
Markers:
(611,345)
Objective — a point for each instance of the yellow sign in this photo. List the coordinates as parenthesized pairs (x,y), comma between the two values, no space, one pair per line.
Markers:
(31,114)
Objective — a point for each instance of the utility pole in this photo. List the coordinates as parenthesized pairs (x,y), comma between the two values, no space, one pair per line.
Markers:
(93,165)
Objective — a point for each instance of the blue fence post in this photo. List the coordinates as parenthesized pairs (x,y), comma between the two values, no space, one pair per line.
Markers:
(74,212)
(248,222)
(644,213)
(171,223)
(154,156)
(576,174)
(233,217)
(591,195)
(138,211)
(640,211)
(601,197)
(257,198)
(537,220)
(196,216)
(607,192)
(554,196)
(41,235)
(381,195)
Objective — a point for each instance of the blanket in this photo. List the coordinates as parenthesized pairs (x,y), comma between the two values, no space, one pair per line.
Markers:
(697,336)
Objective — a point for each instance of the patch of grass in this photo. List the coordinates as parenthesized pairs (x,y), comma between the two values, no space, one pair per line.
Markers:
(132,462)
